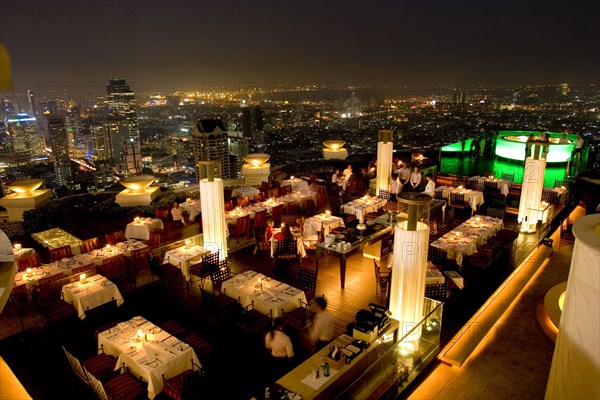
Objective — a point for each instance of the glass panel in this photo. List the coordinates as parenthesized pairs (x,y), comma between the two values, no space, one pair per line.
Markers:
(392,368)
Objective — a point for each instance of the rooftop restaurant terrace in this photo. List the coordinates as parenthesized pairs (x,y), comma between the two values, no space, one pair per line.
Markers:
(154,289)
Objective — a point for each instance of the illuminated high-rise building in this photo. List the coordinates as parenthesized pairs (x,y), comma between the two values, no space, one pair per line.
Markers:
(211,142)
(246,121)
(25,135)
(32,109)
(122,105)
(117,134)
(60,151)
(238,148)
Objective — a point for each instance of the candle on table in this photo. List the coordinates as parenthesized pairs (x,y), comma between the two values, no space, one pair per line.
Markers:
(82,278)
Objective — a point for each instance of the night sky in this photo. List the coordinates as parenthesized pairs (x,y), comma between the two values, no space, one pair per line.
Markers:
(193,45)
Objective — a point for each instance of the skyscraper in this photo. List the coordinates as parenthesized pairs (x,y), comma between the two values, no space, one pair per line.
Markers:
(121,104)
(246,121)
(211,143)
(31,104)
(25,135)
(60,151)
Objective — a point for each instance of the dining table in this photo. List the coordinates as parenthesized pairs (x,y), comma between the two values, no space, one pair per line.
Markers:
(269,204)
(32,278)
(473,197)
(267,294)
(297,184)
(363,205)
(125,248)
(312,225)
(192,207)
(90,293)
(466,237)
(183,256)
(232,216)
(147,351)
(478,182)
(245,191)
(141,228)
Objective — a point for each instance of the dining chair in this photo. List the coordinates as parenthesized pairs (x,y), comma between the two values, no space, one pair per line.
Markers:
(382,283)
(221,274)
(260,219)
(276,213)
(61,252)
(296,319)
(560,183)
(275,192)
(162,213)
(155,239)
(203,268)
(457,201)
(243,201)
(508,176)
(438,256)
(307,282)
(122,386)
(89,269)
(201,346)
(308,207)
(252,323)
(173,327)
(291,209)
(287,189)
(101,365)
(139,261)
(221,305)
(188,384)
(384,194)
(89,245)
(241,227)
(259,197)
(229,205)
(29,261)
(114,237)
(112,267)
(261,242)
(320,203)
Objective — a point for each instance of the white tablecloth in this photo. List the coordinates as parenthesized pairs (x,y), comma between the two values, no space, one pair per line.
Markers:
(275,295)
(269,204)
(312,225)
(472,234)
(244,191)
(66,265)
(161,354)
(502,184)
(124,248)
(96,291)
(142,228)
(231,217)
(473,197)
(361,207)
(182,258)
(296,183)
(193,208)
(33,279)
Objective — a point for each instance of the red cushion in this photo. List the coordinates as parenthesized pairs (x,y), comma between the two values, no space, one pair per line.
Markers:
(174,385)
(100,366)
(123,387)
(278,236)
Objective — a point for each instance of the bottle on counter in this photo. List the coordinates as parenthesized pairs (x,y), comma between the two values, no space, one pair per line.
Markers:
(326,369)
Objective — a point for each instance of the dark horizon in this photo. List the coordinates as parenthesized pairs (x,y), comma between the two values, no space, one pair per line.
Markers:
(184,45)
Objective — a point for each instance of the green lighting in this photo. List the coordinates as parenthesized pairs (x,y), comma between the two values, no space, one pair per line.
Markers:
(511,145)
(458,147)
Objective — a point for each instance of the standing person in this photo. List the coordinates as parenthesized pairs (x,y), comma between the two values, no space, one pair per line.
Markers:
(177,214)
(528,144)
(415,180)
(579,142)
(281,349)
(347,172)
(335,178)
(278,342)
(563,139)
(430,187)
(395,188)
(404,175)
(322,328)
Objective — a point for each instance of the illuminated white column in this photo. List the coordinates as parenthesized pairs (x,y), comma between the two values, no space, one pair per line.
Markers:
(385,148)
(212,201)
(531,190)
(576,360)
(409,270)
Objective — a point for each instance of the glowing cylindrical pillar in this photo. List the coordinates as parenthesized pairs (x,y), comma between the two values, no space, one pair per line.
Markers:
(212,201)
(531,190)
(409,270)
(385,148)
(576,360)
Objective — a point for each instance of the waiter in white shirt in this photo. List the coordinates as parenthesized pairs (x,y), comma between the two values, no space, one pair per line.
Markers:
(430,187)
(415,180)
(404,175)
(322,329)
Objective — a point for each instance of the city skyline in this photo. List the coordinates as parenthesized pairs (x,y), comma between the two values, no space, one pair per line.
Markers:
(209,45)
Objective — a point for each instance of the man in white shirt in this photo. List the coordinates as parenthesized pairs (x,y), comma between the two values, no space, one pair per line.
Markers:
(579,144)
(415,180)
(322,329)
(404,174)
(335,178)
(278,342)
(430,187)
(348,172)
(563,139)
(177,213)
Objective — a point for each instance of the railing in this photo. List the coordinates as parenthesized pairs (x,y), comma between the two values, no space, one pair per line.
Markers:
(396,366)
(576,164)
